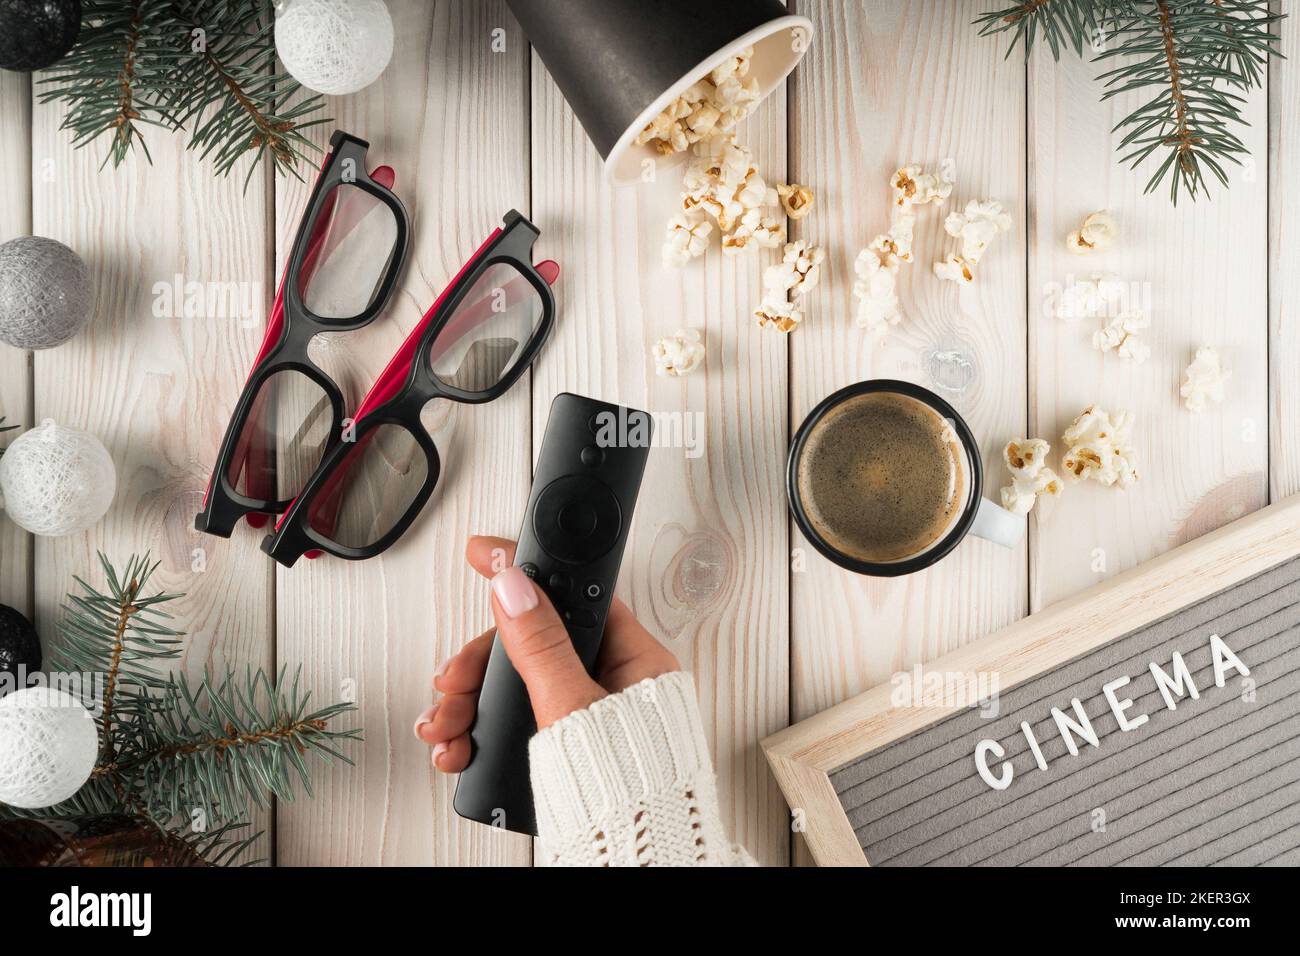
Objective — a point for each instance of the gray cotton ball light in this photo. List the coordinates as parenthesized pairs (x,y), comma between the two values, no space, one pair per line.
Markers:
(45,293)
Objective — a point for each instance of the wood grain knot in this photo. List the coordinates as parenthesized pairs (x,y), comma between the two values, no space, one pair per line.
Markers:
(950,367)
(693,570)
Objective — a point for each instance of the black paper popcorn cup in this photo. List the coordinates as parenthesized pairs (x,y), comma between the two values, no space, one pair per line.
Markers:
(620,63)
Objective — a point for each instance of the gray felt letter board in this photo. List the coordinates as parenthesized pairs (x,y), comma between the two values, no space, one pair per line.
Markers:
(1212,779)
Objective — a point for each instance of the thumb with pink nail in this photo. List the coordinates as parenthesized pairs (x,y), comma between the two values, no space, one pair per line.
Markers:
(540,648)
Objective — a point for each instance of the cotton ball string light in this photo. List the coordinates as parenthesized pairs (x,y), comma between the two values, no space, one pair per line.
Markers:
(20,647)
(45,293)
(334,47)
(36,35)
(48,746)
(56,480)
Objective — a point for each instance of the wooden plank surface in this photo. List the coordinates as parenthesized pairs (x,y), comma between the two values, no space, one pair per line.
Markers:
(1202,267)
(705,567)
(450,115)
(771,631)
(1283,276)
(156,387)
(15,364)
(874,93)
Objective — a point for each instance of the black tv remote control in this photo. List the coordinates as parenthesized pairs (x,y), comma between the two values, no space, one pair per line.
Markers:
(575,527)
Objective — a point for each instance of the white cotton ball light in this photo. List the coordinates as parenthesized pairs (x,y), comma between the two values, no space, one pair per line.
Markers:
(56,480)
(335,47)
(48,746)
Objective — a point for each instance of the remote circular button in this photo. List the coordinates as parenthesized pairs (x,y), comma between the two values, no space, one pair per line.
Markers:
(592,456)
(592,591)
(529,569)
(560,582)
(577,519)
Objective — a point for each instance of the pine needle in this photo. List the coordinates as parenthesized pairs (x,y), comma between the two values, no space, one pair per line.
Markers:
(193,758)
(202,67)
(1193,59)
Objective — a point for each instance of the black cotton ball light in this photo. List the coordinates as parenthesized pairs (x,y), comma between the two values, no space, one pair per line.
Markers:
(37,33)
(19,645)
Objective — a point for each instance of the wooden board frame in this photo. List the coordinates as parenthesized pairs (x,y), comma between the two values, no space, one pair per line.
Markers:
(804,755)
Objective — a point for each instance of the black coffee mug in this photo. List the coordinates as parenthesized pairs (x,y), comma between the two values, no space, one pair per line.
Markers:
(978,515)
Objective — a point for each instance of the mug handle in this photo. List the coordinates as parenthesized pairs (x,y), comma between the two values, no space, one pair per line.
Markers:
(997,524)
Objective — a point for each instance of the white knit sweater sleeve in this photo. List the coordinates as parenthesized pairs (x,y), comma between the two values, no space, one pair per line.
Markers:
(628,782)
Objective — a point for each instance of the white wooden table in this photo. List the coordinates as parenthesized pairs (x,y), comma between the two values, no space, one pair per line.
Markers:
(771,631)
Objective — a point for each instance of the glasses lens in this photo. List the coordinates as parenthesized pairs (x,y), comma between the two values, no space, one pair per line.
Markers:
(371,489)
(283,438)
(486,336)
(353,240)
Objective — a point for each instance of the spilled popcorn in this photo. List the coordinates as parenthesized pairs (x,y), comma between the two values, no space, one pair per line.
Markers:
(785,284)
(723,187)
(686,239)
(975,226)
(679,353)
(1097,231)
(784,316)
(1119,334)
(1026,459)
(1100,447)
(796,200)
(1094,296)
(1203,380)
(876,266)
(798,272)
(714,104)
(876,290)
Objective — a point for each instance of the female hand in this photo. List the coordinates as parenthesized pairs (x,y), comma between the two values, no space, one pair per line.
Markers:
(541,651)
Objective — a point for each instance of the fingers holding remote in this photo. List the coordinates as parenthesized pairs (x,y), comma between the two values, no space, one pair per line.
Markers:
(489,555)
(540,649)
(445,725)
(463,674)
(629,652)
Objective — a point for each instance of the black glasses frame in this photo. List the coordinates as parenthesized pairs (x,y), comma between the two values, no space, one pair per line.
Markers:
(223,505)
(512,245)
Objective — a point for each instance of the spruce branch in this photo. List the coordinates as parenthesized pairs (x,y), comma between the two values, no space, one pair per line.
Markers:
(234,100)
(5,428)
(120,635)
(169,748)
(202,66)
(113,79)
(1193,60)
(227,745)
(1061,24)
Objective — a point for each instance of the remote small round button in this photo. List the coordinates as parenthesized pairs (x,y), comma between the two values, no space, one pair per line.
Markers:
(581,617)
(577,519)
(529,569)
(592,456)
(593,591)
(560,582)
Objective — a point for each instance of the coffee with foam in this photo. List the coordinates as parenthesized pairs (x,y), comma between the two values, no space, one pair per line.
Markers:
(882,477)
